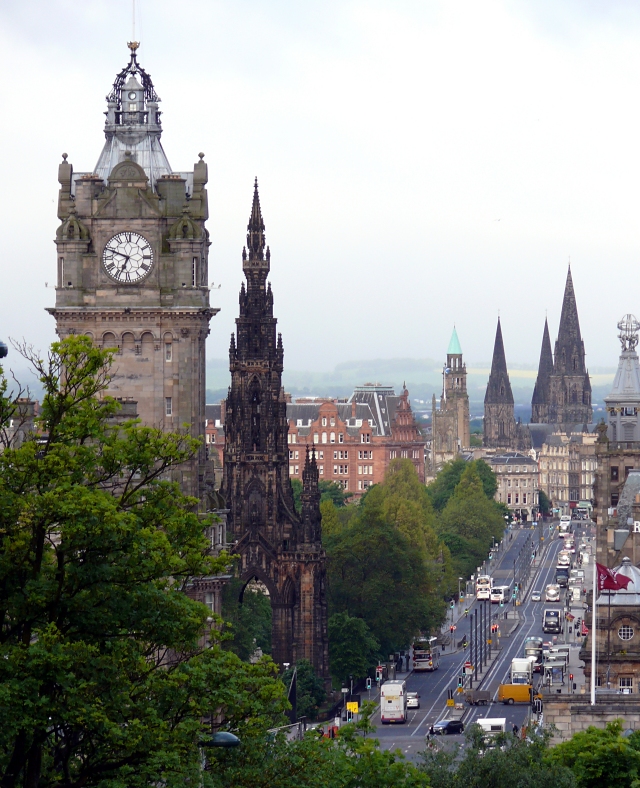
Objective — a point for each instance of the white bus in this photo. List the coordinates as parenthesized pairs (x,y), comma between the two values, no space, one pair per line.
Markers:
(426,655)
(393,702)
(484,584)
(500,594)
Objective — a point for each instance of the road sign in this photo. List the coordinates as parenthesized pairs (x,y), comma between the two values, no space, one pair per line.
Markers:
(468,670)
(451,702)
(353,707)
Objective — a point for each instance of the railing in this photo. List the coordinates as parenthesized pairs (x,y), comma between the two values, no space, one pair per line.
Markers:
(137,118)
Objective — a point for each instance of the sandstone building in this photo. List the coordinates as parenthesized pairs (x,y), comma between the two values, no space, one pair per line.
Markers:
(277,547)
(355,439)
(450,433)
(132,268)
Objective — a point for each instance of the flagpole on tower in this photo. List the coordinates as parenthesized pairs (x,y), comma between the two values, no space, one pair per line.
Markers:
(594,622)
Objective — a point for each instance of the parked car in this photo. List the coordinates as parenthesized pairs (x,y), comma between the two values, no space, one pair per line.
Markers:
(413,700)
(536,596)
(444,727)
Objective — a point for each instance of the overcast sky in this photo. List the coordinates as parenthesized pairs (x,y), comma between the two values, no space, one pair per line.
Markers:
(420,163)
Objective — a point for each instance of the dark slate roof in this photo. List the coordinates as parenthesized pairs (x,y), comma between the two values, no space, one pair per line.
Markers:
(499,386)
(308,412)
(539,434)
(382,401)
(545,369)
(213,412)
(510,458)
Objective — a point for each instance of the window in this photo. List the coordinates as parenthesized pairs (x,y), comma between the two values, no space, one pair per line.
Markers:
(321,470)
(625,683)
(625,632)
(296,469)
(365,437)
(209,598)
(168,406)
(332,422)
(614,473)
(393,454)
(508,498)
(294,438)
(332,437)
(320,455)
(416,454)
(335,470)
(340,437)
(168,351)
(524,497)
(298,422)
(290,454)
(360,485)
(335,455)
(291,470)
(316,437)
(405,454)
(324,436)
(194,272)
(324,421)
(132,107)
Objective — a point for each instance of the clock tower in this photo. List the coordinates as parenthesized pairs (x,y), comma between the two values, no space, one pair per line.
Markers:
(132,253)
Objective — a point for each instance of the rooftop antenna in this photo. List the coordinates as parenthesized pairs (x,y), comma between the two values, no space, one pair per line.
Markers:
(133,19)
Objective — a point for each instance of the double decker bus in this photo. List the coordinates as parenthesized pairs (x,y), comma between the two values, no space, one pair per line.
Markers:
(484,583)
(426,655)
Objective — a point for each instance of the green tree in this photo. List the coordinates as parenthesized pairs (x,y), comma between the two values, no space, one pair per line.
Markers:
(310,691)
(599,757)
(352,647)
(373,572)
(247,620)
(498,761)
(470,521)
(330,520)
(330,491)
(103,681)
(443,486)
(296,486)
(544,502)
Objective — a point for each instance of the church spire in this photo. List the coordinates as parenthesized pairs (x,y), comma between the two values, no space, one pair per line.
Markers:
(569,355)
(541,391)
(499,386)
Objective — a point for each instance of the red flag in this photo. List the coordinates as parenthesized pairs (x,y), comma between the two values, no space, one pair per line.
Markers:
(584,629)
(607,580)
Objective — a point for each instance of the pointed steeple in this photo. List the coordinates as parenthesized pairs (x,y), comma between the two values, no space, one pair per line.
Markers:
(454,348)
(569,355)
(545,370)
(255,228)
(499,386)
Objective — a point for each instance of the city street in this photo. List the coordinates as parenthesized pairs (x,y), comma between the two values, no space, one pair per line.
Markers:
(433,687)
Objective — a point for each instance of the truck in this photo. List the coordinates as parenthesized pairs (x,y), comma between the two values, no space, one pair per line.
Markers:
(426,655)
(562,576)
(492,724)
(522,670)
(516,693)
(393,702)
(477,697)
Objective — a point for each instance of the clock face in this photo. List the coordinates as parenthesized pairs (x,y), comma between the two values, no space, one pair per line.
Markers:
(127,257)
(132,95)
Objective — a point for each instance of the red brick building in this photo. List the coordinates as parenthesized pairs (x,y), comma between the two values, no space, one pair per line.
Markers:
(355,439)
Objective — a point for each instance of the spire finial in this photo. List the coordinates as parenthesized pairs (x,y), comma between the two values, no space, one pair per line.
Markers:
(255,228)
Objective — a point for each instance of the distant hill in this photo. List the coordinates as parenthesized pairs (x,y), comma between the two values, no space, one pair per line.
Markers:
(423,378)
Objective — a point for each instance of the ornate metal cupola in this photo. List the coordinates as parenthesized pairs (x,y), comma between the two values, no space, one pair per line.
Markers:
(133,123)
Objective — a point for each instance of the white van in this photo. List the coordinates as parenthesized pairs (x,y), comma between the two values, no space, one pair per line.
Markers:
(492,724)
(552,593)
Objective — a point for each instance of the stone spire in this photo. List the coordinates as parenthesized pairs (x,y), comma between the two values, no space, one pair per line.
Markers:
(570,386)
(499,386)
(541,392)
(569,350)
(255,228)
(499,430)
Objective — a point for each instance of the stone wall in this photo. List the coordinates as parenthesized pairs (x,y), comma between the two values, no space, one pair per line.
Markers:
(574,713)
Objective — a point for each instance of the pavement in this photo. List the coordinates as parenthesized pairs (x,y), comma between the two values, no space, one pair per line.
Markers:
(523,620)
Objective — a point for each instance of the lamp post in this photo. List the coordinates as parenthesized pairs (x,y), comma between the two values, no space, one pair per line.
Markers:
(460,579)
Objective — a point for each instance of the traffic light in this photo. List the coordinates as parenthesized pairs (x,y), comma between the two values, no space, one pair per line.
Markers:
(460,680)
(379,673)
(369,683)
(452,604)
(570,676)
(451,628)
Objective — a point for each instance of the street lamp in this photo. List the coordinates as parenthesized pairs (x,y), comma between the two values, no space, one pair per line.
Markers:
(4,350)
(460,579)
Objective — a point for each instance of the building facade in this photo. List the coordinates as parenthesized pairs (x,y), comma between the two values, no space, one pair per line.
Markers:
(450,422)
(278,547)
(354,439)
(132,265)
(517,477)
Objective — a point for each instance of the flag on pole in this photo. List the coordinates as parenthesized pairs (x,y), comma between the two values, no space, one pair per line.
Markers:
(584,629)
(610,581)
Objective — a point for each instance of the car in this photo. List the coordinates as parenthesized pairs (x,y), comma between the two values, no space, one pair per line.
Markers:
(536,596)
(445,727)
(413,700)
